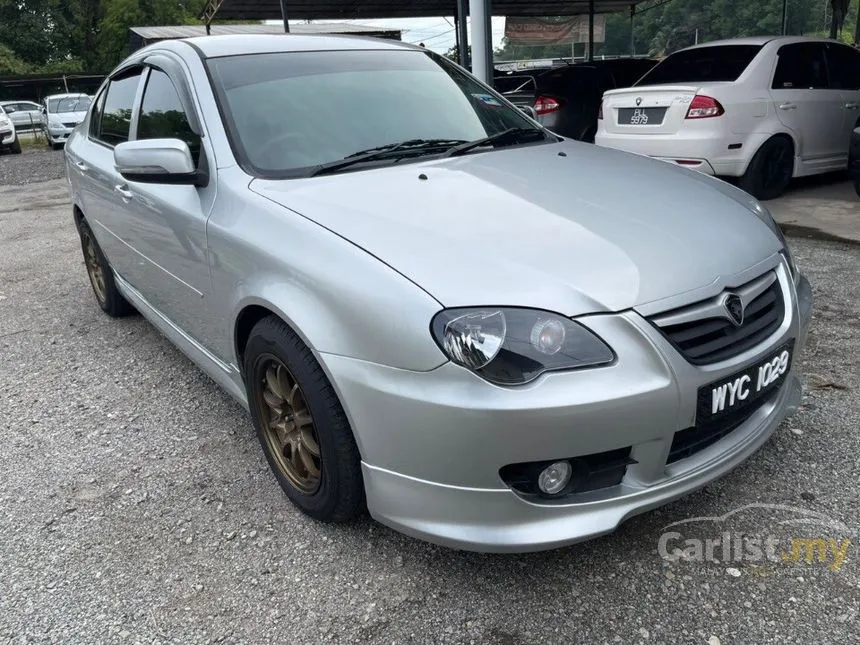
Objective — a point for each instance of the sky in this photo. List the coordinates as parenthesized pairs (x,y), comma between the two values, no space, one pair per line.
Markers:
(436,33)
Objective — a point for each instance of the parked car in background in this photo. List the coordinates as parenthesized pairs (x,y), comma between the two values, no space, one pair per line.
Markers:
(60,114)
(854,159)
(8,135)
(490,336)
(518,86)
(567,99)
(763,110)
(26,115)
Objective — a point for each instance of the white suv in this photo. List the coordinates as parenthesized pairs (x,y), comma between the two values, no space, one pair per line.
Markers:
(762,109)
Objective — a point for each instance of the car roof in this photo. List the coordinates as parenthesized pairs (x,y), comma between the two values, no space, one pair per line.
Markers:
(760,41)
(238,44)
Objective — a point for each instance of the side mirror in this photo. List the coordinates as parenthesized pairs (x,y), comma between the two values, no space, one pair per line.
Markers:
(529,111)
(9,109)
(158,161)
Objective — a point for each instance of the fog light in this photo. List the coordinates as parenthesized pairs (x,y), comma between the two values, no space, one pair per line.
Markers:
(554,477)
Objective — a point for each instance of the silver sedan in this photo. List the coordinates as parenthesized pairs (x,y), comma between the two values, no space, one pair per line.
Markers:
(434,309)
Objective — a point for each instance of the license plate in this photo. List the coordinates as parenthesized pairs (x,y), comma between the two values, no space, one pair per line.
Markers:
(745,388)
(641,116)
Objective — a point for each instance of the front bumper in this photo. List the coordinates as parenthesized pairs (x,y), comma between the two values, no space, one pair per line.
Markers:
(7,137)
(432,443)
(59,134)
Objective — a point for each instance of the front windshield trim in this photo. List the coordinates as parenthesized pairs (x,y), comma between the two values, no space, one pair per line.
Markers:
(304,172)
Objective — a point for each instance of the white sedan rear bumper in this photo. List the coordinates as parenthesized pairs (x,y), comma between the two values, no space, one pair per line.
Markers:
(724,155)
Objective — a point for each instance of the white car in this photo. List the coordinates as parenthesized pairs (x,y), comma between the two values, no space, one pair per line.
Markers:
(763,109)
(8,136)
(61,113)
(26,115)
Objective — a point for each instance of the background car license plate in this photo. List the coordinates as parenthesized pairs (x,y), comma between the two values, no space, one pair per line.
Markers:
(641,116)
(746,388)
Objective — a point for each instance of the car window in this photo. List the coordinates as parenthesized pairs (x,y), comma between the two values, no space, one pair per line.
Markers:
(290,112)
(116,114)
(844,65)
(718,63)
(68,104)
(96,117)
(800,66)
(162,115)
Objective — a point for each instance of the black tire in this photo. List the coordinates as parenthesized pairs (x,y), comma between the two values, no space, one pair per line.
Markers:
(107,295)
(16,146)
(56,146)
(339,495)
(770,170)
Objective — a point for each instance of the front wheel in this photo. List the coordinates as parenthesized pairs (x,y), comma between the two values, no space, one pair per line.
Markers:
(770,170)
(301,425)
(16,146)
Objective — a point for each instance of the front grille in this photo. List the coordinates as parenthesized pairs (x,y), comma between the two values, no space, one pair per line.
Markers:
(687,443)
(703,334)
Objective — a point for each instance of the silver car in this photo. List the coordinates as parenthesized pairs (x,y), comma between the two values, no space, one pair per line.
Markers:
(489,337)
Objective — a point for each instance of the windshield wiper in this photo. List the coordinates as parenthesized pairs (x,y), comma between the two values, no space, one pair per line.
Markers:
(381,152)
(513,134)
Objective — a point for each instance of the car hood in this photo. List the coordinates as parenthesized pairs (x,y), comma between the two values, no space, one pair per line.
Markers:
(70,117)
(570,227)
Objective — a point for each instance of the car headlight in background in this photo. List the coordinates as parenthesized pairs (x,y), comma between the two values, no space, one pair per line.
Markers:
(512,346)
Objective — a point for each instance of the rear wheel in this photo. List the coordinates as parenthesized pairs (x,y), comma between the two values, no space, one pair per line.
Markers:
(770,170)
(101,277)
(301,425)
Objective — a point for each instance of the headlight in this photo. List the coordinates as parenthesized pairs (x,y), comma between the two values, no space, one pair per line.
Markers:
(764,214)
(510,346)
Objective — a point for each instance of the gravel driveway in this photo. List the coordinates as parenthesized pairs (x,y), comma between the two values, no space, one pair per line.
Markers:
(136,506)
(34,164)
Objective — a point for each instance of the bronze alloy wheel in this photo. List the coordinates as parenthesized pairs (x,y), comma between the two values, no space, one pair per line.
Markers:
(287,425)
(94,268)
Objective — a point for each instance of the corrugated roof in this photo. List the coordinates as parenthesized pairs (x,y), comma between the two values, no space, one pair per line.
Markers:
(374,9)
(190,31)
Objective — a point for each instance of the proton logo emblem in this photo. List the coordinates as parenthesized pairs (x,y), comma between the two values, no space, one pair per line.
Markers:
(638,101)
(735,309)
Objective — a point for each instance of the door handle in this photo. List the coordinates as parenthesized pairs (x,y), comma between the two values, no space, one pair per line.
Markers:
(852,106)
(82,166)
(787,106)
(123,190)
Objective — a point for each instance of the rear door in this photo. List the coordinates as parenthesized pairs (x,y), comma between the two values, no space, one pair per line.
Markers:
(105,203)
(843,63)
(806,105)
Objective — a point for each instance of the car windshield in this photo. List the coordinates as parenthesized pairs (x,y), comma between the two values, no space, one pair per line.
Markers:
(289,113)
(719,63)
(69,104)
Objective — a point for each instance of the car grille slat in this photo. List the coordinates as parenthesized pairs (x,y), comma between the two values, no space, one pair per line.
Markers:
(711,339)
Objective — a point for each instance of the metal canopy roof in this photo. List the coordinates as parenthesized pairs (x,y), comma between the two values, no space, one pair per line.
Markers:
(375,9)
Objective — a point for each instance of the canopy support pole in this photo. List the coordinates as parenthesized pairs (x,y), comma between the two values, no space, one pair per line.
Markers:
(632,34)
(482,41)
(590,30)
(784,17)
(462,32)
(284,16)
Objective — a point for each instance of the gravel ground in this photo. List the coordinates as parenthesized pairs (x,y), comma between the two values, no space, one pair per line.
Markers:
(34,164)
(135,504)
